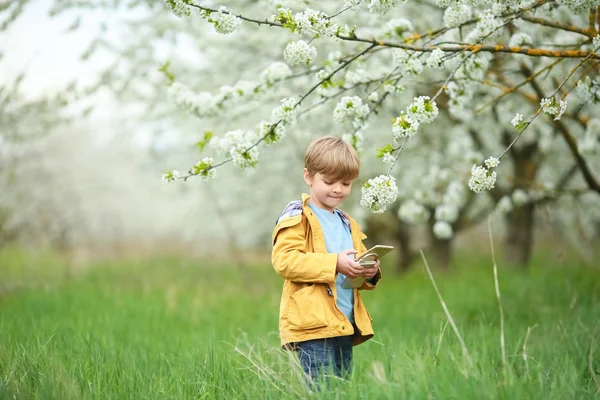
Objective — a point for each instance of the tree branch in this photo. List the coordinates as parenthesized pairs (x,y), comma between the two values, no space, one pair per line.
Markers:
(558,25)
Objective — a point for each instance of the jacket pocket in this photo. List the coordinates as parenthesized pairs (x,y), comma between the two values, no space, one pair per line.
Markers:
(306,308)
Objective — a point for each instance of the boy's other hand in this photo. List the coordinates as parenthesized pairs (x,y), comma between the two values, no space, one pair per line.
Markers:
(371,272)
(347,266)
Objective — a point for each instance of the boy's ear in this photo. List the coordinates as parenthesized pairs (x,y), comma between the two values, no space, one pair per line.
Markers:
(307,177)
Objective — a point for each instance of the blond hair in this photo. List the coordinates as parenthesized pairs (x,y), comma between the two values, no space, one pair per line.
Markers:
(333,158)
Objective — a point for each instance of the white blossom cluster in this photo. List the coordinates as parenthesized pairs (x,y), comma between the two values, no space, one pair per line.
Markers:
(314,23)
(275,72)
(202,104)
(350,107)
(383,6)
(579,5)
(460,94)
(488,27)
(596,43)
(550,107)
(170,176)
(272,132)
(406,64)
(378,193)
(204,168)
(457,15)
(422,109)
(436,59)
(398,27)
(483,178)
(224,22)
(299,52)
(517,120)
(589,90)
(475,66)
(404,126)
(356,76)
(285,112)
(240,145)
(180,8)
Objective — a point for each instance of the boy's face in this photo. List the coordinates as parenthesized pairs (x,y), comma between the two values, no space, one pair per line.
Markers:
(326,193)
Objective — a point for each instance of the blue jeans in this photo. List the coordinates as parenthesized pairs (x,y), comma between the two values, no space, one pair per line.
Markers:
(323,356)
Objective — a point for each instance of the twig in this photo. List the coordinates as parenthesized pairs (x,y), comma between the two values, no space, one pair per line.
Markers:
(524,352)
(448,315)
(497,286)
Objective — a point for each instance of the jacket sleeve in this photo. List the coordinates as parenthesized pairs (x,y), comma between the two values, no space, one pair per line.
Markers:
(368,284)
(293,262)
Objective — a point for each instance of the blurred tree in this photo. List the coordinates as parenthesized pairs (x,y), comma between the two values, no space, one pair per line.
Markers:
(494,96)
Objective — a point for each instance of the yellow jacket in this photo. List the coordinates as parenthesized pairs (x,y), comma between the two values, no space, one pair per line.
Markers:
(308,307)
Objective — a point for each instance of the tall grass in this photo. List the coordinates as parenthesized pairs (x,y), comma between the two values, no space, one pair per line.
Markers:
(170,328)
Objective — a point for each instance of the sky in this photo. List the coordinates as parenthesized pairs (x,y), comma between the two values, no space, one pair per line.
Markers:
(40,46)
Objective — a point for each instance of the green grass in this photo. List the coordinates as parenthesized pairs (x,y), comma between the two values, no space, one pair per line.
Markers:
(168,328)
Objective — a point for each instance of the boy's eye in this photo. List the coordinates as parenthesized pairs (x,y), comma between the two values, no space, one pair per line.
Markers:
(328,183)
(346,183)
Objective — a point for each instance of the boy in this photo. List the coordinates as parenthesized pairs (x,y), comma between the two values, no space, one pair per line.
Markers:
(314,244)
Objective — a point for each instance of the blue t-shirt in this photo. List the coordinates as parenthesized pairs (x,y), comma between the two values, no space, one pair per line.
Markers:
(337,239)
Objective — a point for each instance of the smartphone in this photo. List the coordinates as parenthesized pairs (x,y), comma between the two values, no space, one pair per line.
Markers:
(371,256)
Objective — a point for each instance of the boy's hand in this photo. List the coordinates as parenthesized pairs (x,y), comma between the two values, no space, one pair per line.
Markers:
(371,272)
(347,266)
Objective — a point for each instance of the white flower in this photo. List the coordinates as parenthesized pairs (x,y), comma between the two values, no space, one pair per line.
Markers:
(404,126)
(179,7)
(442,230)
(299,52)
(240,145)
(322,74)
(204,168)
(373,97)
(436,59)
(505,205)
(422,109)
(413,212)
(488,27)
(596,42)
(405,63)
(519,39)
(378,193)
(170,176)
(481,179)
(275,72)
(388,158)
(457,15)
(350,106)
(492,162)
(314,23)
(399,26)
(286,112)
(550,107)
(353,4)
(272,134)
(224,22)
(383,6)
(356,76)
(517,119)
(520,197)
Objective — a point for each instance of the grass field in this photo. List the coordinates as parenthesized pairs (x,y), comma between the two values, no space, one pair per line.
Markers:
(176,329)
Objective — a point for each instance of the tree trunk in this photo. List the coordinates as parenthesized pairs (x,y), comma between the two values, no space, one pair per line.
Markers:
(440,251)
(387,228)
(519,235)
